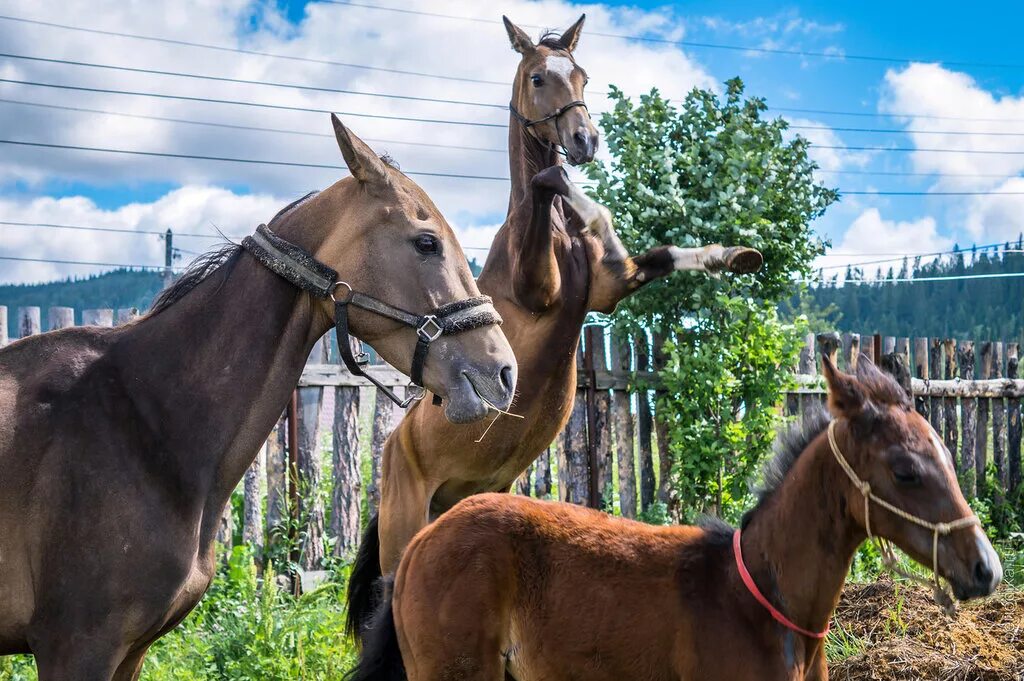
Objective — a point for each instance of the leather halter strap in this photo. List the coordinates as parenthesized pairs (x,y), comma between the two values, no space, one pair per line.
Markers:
(309,274)
(748,581)
(529,123)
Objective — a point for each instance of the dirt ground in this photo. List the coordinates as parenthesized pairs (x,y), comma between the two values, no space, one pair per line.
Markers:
(903,635)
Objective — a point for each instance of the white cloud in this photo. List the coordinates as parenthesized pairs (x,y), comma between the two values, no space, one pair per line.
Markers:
(327,32)
(872,237)
(828,150)
(991,219)
(954,113)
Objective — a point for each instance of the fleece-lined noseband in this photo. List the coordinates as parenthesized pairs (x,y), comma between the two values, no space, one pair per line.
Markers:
(309,274)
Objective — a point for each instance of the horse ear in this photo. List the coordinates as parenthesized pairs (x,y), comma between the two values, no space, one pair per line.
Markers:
(846,397)
(362,162)
(572,34)
(521,41)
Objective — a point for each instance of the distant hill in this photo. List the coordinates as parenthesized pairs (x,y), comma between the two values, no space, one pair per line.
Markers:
(119,288)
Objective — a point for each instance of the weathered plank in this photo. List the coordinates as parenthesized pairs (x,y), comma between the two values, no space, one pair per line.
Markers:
(920,365)
(888,345)
(542,476)
(935,372)
(644,429)
(4,340)
(981,426)
(999,422)
(277,481)
(347,488)
(851,349)
(60,318)
(99,317)
(125,315)
(808,367)
(310,466)
(386,415)
(661,433)
(573,469)
(524,483)
(622,419)
(1013,425)
(252,507)
(28,321)
(968,422)
(599,425)
(949,410)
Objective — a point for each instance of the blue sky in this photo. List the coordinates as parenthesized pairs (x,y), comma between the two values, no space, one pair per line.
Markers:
(956,66)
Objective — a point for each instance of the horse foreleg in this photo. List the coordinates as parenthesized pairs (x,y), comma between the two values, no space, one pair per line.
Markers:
(130,668)
(73,658)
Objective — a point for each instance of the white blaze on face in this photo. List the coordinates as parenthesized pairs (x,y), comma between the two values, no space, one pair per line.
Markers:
(944,456)
(561,67)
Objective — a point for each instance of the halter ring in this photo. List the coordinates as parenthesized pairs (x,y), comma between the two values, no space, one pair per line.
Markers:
(346,285)
(426,333)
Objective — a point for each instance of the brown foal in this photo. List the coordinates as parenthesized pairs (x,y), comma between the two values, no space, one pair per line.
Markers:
(505,587)
(555,259)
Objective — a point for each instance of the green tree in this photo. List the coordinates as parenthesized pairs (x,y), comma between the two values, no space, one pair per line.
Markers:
(711,171)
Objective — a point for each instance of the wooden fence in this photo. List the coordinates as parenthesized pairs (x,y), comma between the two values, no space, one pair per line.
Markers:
(607,455)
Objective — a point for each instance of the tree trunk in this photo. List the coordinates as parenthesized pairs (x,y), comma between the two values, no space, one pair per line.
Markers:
(622,419)
(949,403)
(644,427)
(1013,425)
(968,423)
(252,514)
(347,495)
(277,481)
(385,419)
(311,506)
(542,479)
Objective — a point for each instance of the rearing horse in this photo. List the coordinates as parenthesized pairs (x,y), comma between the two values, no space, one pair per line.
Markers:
(119,447)
(555,259)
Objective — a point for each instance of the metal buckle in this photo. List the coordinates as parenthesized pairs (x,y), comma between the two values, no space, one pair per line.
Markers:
(346,285)
(414,393)
(425,333)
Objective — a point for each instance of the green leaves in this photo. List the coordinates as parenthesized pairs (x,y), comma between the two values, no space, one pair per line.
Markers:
(713,171)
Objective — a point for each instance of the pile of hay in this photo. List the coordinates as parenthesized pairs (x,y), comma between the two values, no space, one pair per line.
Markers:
(904,636)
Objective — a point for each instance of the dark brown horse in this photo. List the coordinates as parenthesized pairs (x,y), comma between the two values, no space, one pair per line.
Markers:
(555,259)
(119,447)
(505,587)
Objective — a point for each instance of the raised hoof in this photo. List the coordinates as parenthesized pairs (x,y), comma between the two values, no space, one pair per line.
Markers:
(552,179)
(743,260)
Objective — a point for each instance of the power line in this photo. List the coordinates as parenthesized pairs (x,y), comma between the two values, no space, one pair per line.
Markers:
(912,149)
(233,126)
(914,280)
(257,53)
(226,159)
(244,81)
(115,230)
(831,112)
(870,193)
(908,131)
(85,262)
(279,107)
(690,43)
(906,256)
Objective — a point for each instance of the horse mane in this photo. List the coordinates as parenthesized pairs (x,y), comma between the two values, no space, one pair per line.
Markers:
(790,443)
(208,263)
(552,40)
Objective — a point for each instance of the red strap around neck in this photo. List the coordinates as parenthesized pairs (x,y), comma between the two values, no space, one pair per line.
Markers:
(748,582)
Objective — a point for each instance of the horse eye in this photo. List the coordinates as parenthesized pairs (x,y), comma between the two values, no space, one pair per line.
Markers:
(427,244)
(908,477)
(537,81)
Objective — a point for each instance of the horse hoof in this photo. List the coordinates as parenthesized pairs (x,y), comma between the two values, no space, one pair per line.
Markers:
(742,260)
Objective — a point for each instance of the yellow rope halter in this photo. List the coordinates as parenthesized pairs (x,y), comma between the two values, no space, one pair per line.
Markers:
(939,592)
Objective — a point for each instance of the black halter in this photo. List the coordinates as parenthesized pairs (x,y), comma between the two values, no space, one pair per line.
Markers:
(309,274)
(528,123)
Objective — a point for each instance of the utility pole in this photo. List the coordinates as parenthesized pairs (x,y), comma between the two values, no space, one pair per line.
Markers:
(168,257)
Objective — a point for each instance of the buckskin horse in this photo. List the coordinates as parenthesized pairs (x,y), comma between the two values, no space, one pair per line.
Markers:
(506,587)
(556,258)
(120,447)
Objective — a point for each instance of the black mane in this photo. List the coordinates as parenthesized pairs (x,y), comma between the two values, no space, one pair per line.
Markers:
(789,445)
(552,40)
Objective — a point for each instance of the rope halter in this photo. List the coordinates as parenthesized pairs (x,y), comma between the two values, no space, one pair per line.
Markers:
(939,592)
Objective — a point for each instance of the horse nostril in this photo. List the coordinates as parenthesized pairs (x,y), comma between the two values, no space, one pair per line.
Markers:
(982,573)
(506,378)
(580,138)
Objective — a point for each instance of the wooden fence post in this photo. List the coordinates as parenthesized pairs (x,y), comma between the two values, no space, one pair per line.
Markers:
(573,472)
(949,403)
(888,346)
(60,318)
(1013,426)
(277,480)
(28,321)
(598,421)
(125,315)
(851,349)
(623,421)
(226,530)
(644,427)
(999,422)
(969,420)
(808,367)
(4,340)
(867,347)
(385,419)
(524,483)
(661,435)
(311,508)
(542,477)
(252,510)
(981,427)
(935,371)
(920,370)
(347,485)
(100,317)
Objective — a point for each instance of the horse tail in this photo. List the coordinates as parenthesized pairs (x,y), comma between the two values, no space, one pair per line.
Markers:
(381,658)
(363,595)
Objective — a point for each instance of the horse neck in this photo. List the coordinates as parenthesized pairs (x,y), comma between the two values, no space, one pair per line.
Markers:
(799,544)
(527,156)
(213,372)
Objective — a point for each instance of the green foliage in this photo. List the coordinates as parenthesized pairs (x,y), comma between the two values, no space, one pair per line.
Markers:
(841,643)
(713,171)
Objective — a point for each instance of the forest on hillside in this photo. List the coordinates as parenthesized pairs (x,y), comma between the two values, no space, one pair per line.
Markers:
(891,302)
